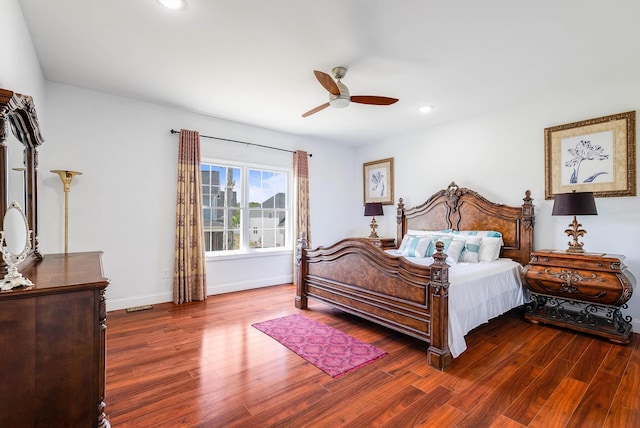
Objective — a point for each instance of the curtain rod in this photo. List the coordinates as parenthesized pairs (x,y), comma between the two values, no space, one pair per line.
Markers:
(173,131)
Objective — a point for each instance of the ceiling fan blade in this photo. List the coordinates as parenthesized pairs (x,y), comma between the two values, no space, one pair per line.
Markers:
(315,110)
(372,99)
(326,81)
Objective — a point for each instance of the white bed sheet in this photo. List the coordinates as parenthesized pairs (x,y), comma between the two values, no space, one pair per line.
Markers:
(478,292)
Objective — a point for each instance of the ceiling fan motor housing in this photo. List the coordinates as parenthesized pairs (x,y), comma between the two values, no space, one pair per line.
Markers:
(343,99)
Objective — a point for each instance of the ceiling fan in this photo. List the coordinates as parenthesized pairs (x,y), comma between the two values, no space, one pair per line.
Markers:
(339,96)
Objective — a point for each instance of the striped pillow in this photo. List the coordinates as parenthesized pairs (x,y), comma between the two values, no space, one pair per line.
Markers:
(415,246)
(470,254)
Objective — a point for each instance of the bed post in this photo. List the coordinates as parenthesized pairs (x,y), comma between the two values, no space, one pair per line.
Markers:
(526,235)
(438,354)
(401,223)
(300,272)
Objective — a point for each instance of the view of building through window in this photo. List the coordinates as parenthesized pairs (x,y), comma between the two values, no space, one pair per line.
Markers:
(244,207)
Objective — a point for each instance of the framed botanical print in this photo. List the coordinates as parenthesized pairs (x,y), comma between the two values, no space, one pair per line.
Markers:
(595,155)
(378,181)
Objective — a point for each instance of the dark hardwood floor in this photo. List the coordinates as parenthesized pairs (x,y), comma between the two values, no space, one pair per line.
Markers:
(203,365)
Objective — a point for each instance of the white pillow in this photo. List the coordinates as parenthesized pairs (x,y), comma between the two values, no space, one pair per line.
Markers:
(455,250)
(489,249)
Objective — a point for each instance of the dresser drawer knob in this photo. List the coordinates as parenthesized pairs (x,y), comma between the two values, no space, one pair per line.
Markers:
(599,264)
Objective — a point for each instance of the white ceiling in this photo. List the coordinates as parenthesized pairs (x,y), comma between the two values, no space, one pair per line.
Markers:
(252,61)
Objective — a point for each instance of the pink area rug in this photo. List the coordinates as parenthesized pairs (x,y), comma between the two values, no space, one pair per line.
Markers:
(331,350)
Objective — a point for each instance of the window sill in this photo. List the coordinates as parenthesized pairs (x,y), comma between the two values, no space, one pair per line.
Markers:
(248,255)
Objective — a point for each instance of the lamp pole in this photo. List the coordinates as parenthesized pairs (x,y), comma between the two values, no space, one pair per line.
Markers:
(66,177)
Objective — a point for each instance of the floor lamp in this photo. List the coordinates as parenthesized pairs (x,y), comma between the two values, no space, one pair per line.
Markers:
(66,177)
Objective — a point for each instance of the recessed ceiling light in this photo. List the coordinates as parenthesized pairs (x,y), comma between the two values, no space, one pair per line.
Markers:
(173,4)
(425,109)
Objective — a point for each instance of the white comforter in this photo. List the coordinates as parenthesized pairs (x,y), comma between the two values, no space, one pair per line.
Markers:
(478,292)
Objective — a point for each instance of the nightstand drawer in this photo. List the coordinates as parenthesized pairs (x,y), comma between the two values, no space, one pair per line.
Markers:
(587,261)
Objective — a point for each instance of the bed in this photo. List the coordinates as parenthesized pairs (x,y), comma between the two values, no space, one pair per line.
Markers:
(392,290)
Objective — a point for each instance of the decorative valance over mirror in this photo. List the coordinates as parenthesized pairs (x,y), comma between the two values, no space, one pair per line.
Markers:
(19,162)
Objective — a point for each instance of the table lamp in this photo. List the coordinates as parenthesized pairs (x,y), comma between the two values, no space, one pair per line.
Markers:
(574,203)
(372,209)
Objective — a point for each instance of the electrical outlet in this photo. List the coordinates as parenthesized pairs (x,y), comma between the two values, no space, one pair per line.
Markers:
(165,274)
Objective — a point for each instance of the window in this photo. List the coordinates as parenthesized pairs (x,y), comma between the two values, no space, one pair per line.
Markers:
(245,208)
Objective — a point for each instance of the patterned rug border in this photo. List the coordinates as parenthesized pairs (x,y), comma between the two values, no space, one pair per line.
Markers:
(310,347)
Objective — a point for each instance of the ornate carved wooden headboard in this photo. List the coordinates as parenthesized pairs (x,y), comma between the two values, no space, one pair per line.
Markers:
(459,208)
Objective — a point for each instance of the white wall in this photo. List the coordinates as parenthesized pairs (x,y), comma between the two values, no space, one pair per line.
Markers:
(501,154)
(19,66)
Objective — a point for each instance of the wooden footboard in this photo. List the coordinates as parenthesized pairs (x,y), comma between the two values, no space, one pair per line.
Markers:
(358,278)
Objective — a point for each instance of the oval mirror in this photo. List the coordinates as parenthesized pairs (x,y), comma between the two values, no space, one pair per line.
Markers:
(16,229)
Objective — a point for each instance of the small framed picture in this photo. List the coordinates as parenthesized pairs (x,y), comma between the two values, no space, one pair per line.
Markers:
(378,181)
(595,155)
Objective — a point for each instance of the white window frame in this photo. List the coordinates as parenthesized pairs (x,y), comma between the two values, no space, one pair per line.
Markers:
(245,230)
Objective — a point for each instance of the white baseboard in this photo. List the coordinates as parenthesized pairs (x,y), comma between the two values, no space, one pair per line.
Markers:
(129,302)
(248,285)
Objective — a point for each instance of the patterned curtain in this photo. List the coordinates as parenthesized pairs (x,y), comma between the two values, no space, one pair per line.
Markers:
(301,182)
(189,277)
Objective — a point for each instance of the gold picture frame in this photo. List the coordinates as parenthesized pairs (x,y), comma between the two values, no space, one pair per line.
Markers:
(378,181)
(595,155)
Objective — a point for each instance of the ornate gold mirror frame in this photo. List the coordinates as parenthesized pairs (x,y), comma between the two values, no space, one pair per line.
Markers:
(19,112)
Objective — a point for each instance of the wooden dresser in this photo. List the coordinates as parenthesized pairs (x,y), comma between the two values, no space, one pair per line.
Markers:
(52,345)
(581,291)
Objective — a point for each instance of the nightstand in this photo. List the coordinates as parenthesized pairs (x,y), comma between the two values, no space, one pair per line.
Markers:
(383,243)
(584,292)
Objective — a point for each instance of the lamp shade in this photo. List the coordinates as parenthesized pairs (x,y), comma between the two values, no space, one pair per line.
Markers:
(373,209)
(574,203)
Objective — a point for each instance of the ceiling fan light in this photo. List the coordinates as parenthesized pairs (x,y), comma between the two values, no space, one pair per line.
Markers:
(339,102)
(173,4)
(425,109)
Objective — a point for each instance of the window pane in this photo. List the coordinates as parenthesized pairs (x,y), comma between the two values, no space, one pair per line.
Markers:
(281,183)
(281,237)
(234,239)
(206,175)
(255,238)
(206,217)
(268,238)
(268,180)
(255,188)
